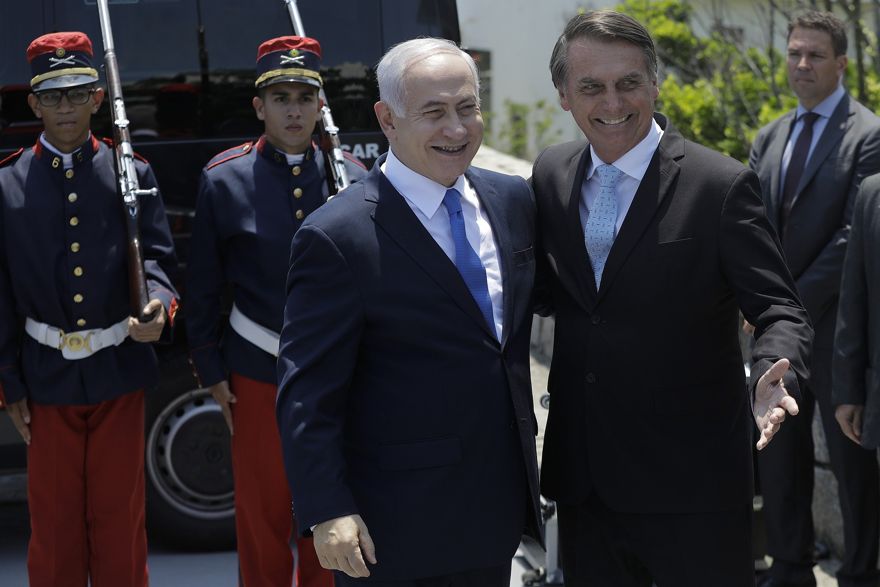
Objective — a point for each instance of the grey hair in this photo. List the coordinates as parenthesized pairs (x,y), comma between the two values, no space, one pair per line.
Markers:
(606,26)
(391,70)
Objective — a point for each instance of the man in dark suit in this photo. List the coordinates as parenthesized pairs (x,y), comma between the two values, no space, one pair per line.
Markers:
(404,399)
(810,162)
(653,244)
(855,390)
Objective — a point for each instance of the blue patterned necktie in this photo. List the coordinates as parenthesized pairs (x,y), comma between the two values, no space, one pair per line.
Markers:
(466,259)
(599,231)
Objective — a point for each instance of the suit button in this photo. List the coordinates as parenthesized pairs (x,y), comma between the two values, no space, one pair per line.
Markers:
(69,174)
(74,221)
(298,193)
(300,214)
(596,319)
(81,322)
(78,298)
(78,271)
(591,378)
(74,247)
(71,197)
(296,170)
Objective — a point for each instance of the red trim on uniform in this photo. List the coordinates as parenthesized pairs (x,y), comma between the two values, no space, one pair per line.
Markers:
(263,523)
(353,159)
(86,494)
(172,311)
(12,157)
(96,143)
(261,144)
(240,150)
(109,142)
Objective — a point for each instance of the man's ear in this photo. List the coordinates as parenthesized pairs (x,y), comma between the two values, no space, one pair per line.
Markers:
(257,103)
(35,105)
(385,117)
(562,100)
(97,99)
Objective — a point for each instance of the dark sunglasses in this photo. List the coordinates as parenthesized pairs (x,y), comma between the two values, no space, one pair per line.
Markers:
(76,96)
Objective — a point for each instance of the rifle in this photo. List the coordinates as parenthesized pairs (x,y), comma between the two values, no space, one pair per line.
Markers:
(337,176)
(126,173)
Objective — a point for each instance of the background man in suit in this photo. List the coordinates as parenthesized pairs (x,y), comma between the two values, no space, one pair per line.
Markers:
(404,398)
(653,244)
(855,388)
(810,163)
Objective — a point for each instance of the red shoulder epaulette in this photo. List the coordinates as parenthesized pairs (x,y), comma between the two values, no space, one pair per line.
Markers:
(353,159)
(230,154)
(11,158)
(109,142)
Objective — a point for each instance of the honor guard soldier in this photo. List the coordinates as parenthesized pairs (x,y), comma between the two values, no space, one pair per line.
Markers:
(73,361)
(252,199)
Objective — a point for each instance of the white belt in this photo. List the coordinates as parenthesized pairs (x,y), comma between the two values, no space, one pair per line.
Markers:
(259,336)
(79,344)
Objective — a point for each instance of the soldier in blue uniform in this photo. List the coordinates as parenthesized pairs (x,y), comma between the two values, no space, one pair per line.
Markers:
(252,198)
(73,362)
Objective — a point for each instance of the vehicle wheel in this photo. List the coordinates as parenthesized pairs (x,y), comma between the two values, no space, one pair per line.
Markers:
(188,470)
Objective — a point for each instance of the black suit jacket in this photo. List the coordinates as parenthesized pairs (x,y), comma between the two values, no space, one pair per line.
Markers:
(649,406)
(815,238)
(396,401)
(856,365)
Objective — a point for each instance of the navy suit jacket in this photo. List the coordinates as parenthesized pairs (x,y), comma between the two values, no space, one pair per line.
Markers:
(396,400)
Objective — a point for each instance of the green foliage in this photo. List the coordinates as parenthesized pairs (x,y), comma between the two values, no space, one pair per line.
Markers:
(525,129)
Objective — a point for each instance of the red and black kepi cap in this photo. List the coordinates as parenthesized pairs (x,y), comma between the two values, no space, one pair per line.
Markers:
(61,60)
(289,59)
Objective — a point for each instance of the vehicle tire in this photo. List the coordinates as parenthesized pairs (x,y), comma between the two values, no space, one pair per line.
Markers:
(188,464)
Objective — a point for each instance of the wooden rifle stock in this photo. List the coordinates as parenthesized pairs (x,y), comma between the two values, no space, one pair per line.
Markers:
(337,176)
(126,173)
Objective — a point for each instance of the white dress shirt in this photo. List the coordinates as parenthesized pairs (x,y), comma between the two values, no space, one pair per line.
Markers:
(425,197)
(633,164)
(824,109)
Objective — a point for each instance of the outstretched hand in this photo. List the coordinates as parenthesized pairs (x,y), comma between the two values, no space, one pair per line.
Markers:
(772,402)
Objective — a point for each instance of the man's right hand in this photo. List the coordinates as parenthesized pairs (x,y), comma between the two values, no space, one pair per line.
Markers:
(343,543)
(224,397)
(849,417)
(21,417)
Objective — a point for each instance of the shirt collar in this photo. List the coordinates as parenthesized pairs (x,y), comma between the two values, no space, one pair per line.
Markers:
(634,162)
(826,107)
(425,194)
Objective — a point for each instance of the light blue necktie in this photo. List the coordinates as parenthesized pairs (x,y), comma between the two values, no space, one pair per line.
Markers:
(466,259)
(599,231)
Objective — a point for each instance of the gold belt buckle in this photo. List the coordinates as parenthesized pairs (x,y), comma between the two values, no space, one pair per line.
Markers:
(75,342)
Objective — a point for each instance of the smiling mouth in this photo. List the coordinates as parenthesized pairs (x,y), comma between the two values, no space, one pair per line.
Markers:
(614,121)
(454,150)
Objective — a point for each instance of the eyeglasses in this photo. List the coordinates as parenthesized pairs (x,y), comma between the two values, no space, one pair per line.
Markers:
(76,96)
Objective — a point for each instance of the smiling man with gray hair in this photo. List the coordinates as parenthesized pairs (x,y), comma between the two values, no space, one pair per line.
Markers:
(404,400)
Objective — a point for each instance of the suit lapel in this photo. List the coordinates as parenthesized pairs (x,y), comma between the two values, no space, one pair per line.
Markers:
(775,151)
(834,131)
(497,212)
(653,189)
(583,268)
(399,222)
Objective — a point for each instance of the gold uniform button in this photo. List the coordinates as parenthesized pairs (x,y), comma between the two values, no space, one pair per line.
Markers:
(300,214)
(81,322)
(78,298)
(297,193)
(74,221)
(71,197)
(74,247)
(78,271)
(69,174)
(296,170)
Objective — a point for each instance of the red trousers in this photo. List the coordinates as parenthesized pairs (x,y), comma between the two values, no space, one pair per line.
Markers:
(86,494)
(263,515)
